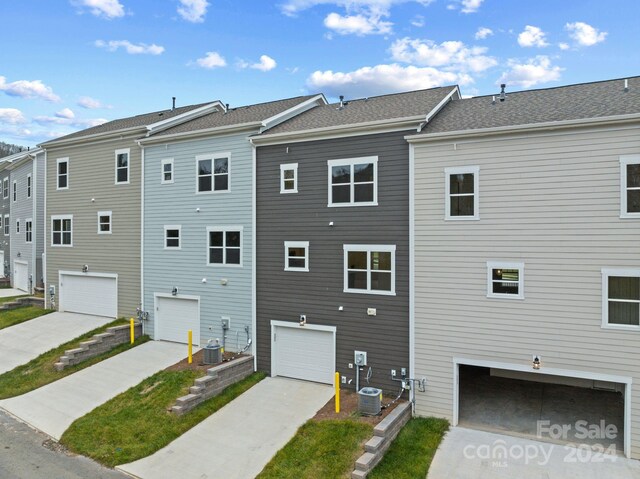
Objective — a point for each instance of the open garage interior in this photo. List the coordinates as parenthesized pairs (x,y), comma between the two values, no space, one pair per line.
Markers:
(548,408)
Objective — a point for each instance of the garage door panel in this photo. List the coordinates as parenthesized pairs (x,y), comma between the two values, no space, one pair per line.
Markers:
(304,354)
(96,295)
(21,276)
(175,317)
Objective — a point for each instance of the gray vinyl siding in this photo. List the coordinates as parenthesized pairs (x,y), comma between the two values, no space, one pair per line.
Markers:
(552,202)
(22,209)
(176,204)
(38,220)
(305,216)
(92,177)
(5,241)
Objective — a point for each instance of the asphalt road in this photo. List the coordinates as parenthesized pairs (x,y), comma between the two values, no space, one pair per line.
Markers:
(27,454)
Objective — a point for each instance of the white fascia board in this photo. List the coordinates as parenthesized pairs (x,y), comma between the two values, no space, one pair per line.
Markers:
(293,111)
(109,135)
(442,103)
(184,117)
(23,157)
(219,130)
(529,127)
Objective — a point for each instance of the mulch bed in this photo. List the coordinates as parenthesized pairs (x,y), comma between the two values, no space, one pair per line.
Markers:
(198,362)
(349,409)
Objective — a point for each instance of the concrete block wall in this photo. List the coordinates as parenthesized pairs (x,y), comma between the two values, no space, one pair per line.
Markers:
(20,302)
(217,379)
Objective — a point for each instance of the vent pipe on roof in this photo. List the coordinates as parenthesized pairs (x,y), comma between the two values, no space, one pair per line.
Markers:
(173,106)
(493,100)
(226,108)
(342,103)
(626,85)
(503,95)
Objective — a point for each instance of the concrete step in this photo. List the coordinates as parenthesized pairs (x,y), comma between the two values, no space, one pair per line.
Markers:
(364,462)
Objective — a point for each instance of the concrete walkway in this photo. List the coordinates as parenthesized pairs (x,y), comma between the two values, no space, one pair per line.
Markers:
(470,454)
(52,408)
(23,342)
(241,438)
(9,292)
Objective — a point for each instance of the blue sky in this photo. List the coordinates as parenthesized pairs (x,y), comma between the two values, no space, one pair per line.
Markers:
(69,64)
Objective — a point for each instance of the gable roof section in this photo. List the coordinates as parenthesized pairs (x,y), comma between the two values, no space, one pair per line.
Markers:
(544,107)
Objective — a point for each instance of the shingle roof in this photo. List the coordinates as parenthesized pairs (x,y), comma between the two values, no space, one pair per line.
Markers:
(235,116)
(386,107)
(573,102)
(130,122)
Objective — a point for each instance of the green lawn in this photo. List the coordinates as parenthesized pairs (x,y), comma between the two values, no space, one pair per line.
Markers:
(40,371)
(20,315)
(410,455)
(320,449)
(11,298)
(137,423)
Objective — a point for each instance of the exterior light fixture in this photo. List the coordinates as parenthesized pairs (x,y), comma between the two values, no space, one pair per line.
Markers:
(174,291)
(303,319)
(85,268)
(536,362)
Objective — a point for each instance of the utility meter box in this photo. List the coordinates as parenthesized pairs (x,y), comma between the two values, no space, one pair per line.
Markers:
(212,354)
(369,401)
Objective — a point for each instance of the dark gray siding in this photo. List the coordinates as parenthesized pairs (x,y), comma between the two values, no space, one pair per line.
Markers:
(284,295)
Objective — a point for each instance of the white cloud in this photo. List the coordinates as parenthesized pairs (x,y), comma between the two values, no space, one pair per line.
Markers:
(12,116)
(584,34)
(533,72)
(90,103)
(293,7)
(466,6)
(211,60)
(418,21)
(265,64)
(563,46)
(368,81)
(193,10)
(483,32)
(452,55)
(101,8)
(131,48)
(66,113)
(28,89)
(532,37)
(67,118)
(357,24)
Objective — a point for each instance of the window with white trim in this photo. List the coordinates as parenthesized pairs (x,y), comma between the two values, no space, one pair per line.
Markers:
(172,235)
(6,225)
(630,186)
(621,298)
(370,269)
(5,188)
(461,193)
(353,182)
(61,230)
(296,256)
(15,190)
(29,186)
(212,173)
(18,225)
(1,223)
(104,222)
(166,171)
(28,230)
(62,173)
(289,178)
(224,245)
(505,280)
(122,166)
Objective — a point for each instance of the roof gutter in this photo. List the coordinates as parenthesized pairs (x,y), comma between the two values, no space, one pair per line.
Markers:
(98,136)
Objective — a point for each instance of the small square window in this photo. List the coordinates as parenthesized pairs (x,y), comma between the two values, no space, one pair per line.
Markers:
(28,227)
(212,173)
(289,178)
(505,280)
(172,237)
(621,298)
(296,256)
(461,197)
(225,246)
(630,186)
(104,222)
(122,166)
(61,230)
(62,166)
(166,171)
(353,182)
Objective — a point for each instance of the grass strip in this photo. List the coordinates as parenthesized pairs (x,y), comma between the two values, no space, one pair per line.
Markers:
(8,299)
(19,315)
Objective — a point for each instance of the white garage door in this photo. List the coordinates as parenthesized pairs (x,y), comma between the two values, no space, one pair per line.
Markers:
(21,275)
(1,264)
(89,294)
(303,353)
(175,316)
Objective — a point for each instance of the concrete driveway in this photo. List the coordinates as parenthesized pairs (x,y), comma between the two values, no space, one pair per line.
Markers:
(23,342)
(470,454)
(52,408)
(9,292)
(239,440)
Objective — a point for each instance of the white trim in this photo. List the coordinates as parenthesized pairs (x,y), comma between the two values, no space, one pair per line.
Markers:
(351,162)
(622,272)
(475,170)
(491,265)
(68,175)
(142,271)
(26,230)
(296,244)
(213,157)
(7,225)
(122,151)
(110,215)
(412,269)
(80,273)
(62,218)
(442,103)
(167,161)
(17,227)
(626,160)
(172,227)
(254,309)
(5,180)
(286,167)
(570,373)
(368,248)
(29,185)
(44,230)
(293,111)
(225,229)
(186,116)
(14,191)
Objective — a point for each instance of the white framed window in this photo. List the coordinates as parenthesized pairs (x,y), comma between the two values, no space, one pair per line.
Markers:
(122,166)
(224,245)
(15,190)
(296,256)
(62,230)
(166,171)
(18,225)
(104,222)
(621,298)
(172,237)
(630,186)
(6,225)
(5,188)
(28,230)
(1,223)
(212,173)
(29,185)
(462,193)
(353,182)
(62,173)
(505,280)
(370,269)
(289,178)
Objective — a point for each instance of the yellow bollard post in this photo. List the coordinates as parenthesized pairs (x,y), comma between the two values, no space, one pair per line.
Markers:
(337,381)
(190,346)
(132,332)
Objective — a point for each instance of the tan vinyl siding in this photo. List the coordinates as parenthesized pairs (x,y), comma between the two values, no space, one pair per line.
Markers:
(92,176)
(551,201)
